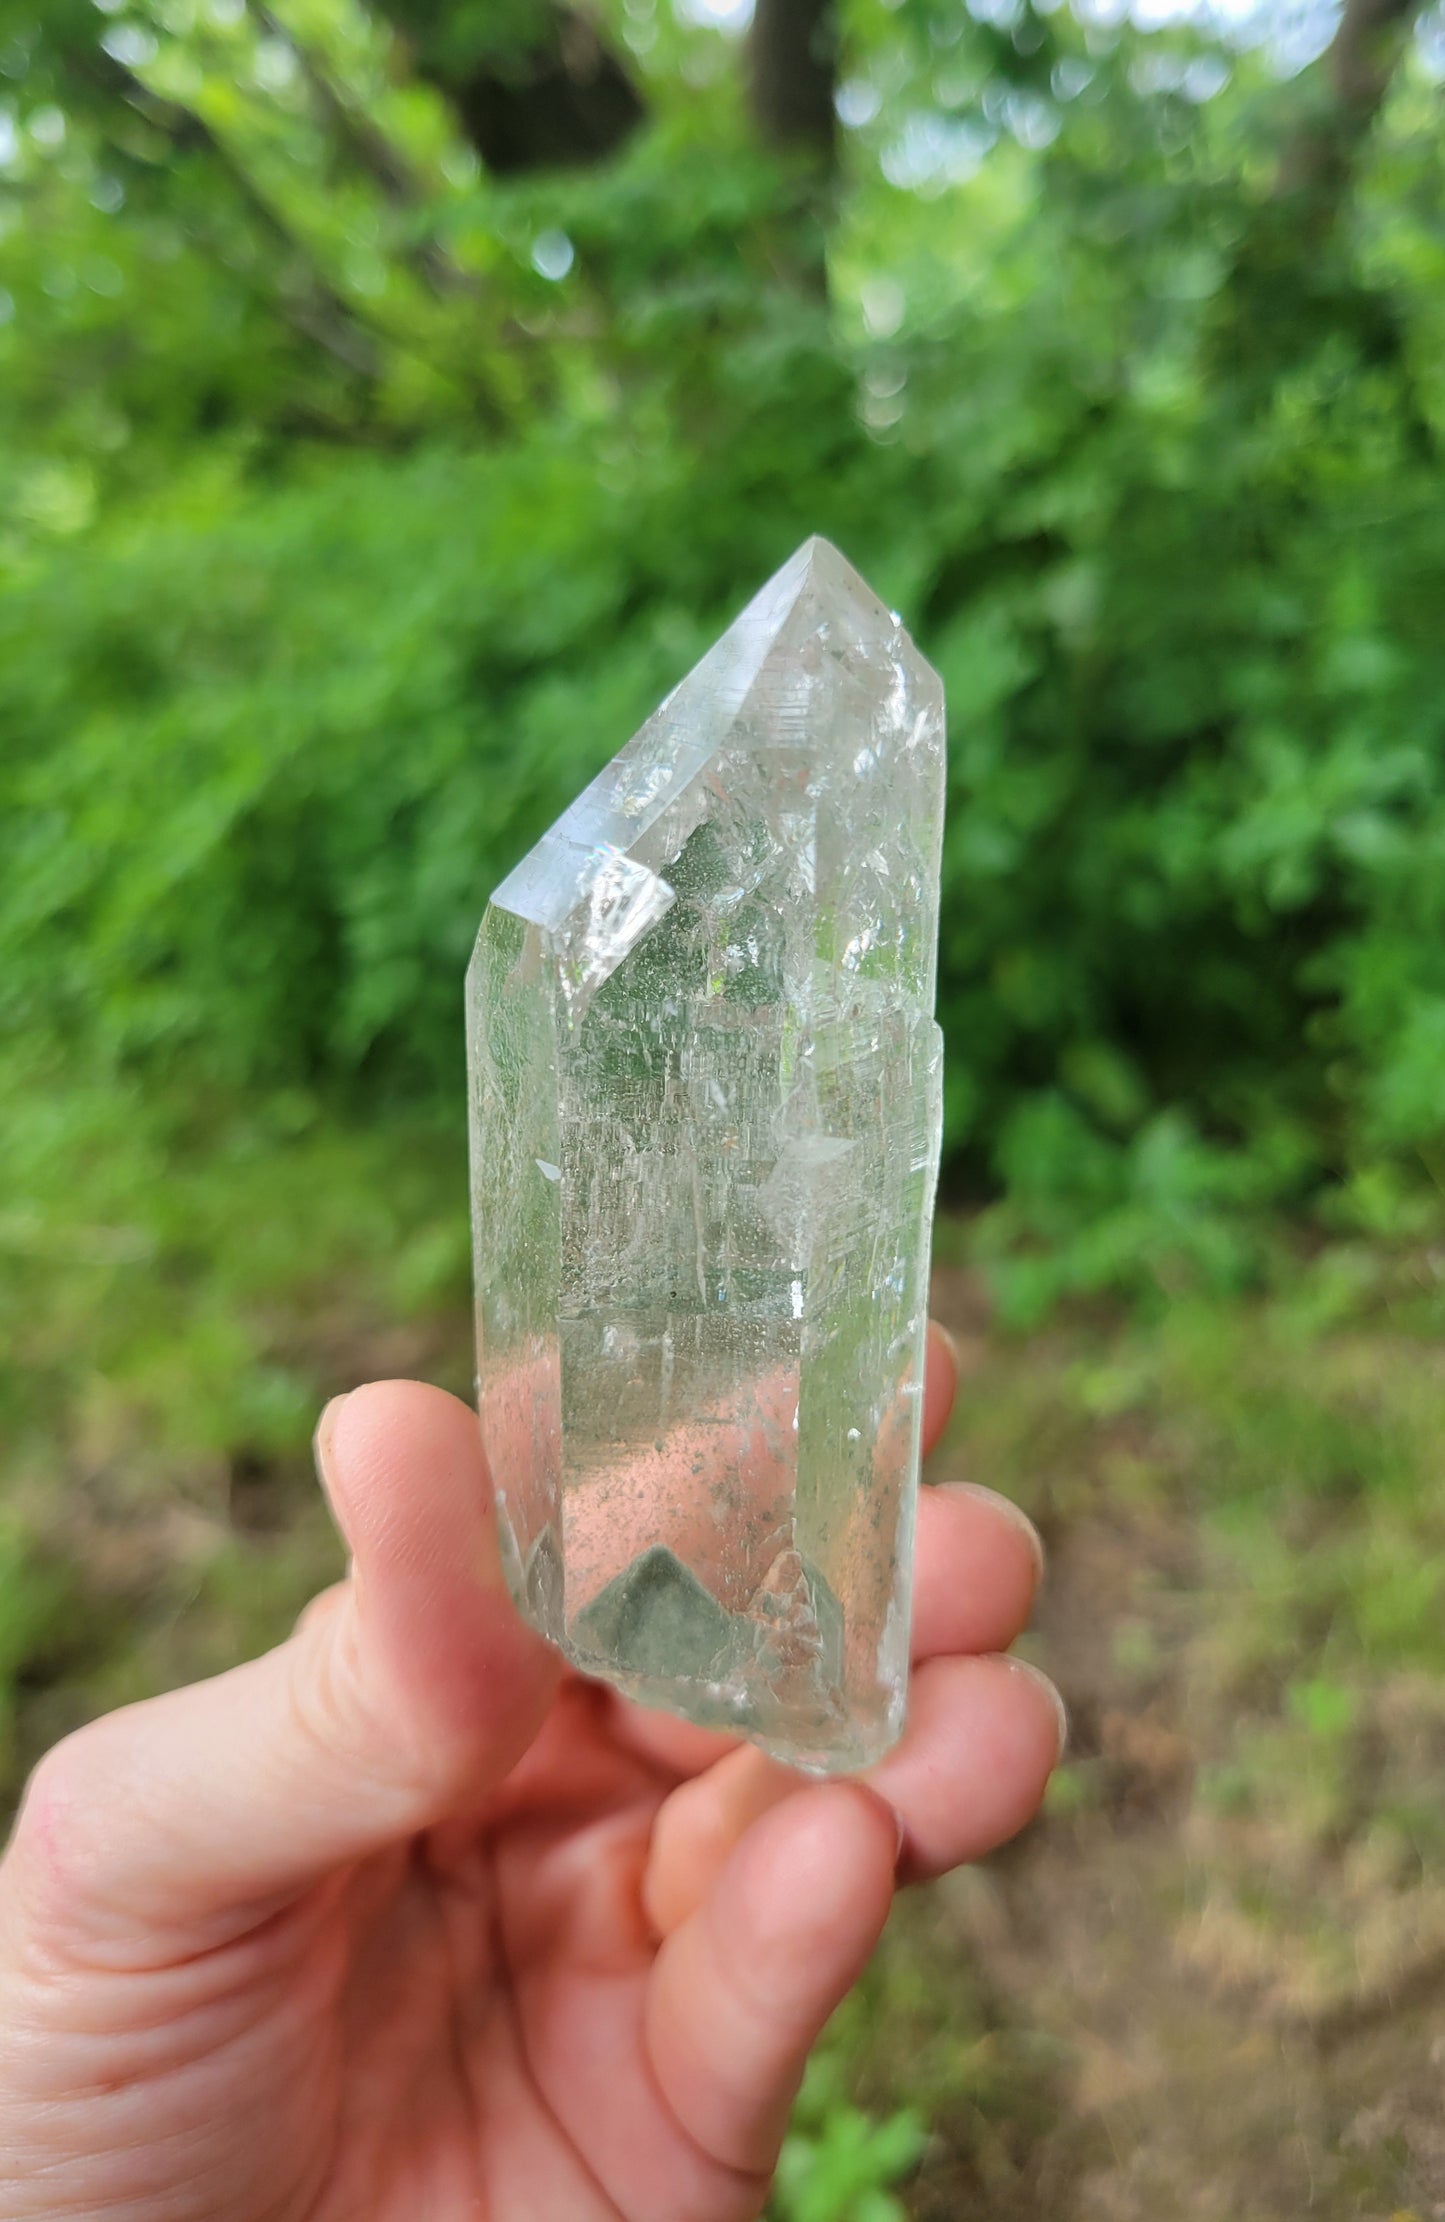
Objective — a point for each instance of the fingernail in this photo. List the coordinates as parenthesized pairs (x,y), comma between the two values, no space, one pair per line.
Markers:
(321,1440)
(900,1832)
(947,1336)
(1010,1511)
(1038,1677)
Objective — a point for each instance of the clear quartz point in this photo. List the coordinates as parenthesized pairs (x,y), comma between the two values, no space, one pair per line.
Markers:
(705,1117)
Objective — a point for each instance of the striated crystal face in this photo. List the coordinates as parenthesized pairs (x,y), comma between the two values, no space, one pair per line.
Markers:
(705,1115)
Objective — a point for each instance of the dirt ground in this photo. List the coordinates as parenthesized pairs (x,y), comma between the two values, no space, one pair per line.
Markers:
(1107,2023)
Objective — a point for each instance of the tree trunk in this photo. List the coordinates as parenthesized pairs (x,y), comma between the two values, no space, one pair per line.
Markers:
(792,64)
(1357,67)
(1294,283)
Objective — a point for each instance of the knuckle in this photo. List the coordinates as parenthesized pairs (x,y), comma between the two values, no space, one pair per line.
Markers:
(341,1716)
(326,1693)
(57,1860)
(324,1606)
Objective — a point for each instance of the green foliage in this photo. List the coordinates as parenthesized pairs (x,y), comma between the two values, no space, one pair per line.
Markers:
(342,547)
(35,1595)
(837,2163)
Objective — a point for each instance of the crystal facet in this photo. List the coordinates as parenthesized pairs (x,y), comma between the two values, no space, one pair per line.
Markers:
(705,1110)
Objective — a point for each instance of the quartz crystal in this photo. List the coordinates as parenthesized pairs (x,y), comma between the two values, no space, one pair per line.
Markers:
(705,1113)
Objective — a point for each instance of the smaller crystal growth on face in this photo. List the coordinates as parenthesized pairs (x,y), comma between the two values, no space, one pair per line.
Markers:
(705,1121)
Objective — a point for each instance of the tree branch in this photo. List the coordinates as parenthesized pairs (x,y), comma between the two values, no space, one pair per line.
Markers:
(317,309)
(320,313)
(370,149)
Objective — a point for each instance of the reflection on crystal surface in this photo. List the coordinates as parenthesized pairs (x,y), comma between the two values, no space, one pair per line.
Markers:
(705,1125)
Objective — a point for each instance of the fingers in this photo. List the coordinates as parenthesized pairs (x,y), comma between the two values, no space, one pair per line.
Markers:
(940,1383)
(743,1986)
(414,1683)
(977,1563)
(983,1737)
(699,1824)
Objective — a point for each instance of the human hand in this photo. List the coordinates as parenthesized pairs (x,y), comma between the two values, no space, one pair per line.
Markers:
(402,1921)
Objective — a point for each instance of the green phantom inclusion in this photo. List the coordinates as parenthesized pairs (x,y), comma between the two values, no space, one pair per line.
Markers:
(705,1115)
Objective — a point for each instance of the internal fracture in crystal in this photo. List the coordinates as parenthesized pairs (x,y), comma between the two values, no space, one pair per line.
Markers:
(705,1117)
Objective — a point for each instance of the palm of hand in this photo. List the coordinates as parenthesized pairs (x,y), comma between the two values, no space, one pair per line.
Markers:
(581,1985)
(469,2024)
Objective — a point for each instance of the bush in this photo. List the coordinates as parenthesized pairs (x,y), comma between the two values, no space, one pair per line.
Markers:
(1160,494)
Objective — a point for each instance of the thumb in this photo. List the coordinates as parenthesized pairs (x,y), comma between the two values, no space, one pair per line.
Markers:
(412,1688)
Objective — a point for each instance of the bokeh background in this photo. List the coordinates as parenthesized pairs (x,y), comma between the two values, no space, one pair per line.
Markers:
(395,397)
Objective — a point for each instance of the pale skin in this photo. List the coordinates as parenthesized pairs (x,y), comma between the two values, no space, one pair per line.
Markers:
(403,1921)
